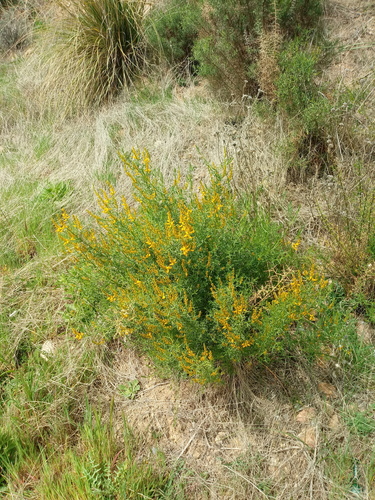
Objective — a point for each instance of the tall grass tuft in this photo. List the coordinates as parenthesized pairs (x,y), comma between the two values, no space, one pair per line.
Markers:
(92,50)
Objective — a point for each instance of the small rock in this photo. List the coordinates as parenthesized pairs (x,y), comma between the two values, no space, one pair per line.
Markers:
(306,415)
(220,437)
(328,390)
(309,436)
(334,422)
(48,350)
(196,453)
(365,332)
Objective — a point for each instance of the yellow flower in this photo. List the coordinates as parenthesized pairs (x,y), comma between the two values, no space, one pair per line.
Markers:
(296,245)
(170,226)
(99,342)
(135,154)
(256,315)
(239,306)
(185,223)
(185,249)
(78,335)
(247,343)
(126,331)
(146,161)
(63,223)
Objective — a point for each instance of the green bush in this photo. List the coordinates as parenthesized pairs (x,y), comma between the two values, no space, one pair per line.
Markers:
(221,38)
(297,16)
(195,277)
(228,45)
(317,115)
(172,30)
(296,86)
(308,111)
(297,91)
(93,50)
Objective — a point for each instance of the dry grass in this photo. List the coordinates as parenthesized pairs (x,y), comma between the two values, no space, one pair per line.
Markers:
(268,69)
(87,52)
(14,28)
(177,132)
(352,25)
(40,391)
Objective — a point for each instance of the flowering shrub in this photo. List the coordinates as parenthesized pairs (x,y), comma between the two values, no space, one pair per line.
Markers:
(301,316)
(189,275)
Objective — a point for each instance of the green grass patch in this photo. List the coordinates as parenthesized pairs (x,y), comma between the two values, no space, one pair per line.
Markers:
(26,221)
(95,464)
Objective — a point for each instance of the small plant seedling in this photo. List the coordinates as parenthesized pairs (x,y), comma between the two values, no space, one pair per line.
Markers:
(131,389)
(55,192)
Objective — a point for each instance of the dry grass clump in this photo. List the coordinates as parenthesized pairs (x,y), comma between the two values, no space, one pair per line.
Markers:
(268,68)
(91,50)
(177,128)
(14,28)
(175,131)
(348,225)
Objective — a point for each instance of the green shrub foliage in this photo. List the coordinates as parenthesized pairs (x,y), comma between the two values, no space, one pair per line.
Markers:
(222,37)
(172,29)
(198,279)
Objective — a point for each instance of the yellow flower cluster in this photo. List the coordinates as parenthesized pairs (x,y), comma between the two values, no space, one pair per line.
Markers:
(78,335)
(62,224)
(230,309)
(300,302)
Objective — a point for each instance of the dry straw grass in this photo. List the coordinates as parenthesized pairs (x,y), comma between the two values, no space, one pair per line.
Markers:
(268,69)
(32,309)
(178,133)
